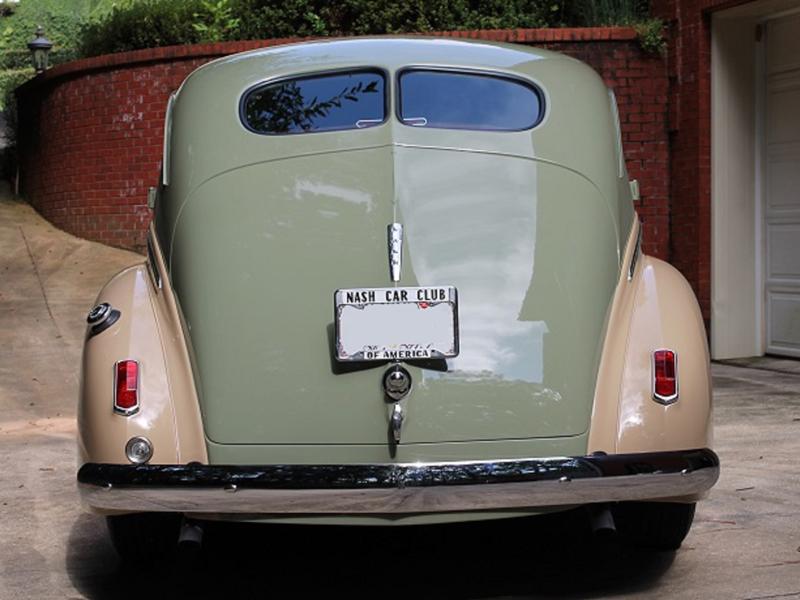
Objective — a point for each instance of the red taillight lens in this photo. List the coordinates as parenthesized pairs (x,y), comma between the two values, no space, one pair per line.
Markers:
(665,376)
(126,394)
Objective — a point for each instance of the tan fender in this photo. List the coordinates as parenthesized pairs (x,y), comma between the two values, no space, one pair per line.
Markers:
(149,331)
(655,309)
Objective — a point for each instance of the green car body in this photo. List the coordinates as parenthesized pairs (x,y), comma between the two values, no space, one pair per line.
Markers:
(557,319)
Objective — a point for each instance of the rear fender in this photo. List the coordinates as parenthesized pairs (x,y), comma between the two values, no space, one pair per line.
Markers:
(654,307)
(149,331)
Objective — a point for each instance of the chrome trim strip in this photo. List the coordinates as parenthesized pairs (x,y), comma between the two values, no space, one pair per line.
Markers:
(151,259)
(637,250)
(398,488)
(395,234)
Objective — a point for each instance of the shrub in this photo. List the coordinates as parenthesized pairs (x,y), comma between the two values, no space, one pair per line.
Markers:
(599,13)
(217,21)
(9,81)
(61,20)
(365,17)
(650,34)
(135,24)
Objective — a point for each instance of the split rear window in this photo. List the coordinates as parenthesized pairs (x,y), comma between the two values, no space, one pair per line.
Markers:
(437,99)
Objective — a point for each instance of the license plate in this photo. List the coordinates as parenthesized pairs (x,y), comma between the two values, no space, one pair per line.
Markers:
(400,323)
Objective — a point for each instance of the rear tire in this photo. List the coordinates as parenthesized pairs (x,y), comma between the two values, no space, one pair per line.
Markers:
(145,538)
(656,525)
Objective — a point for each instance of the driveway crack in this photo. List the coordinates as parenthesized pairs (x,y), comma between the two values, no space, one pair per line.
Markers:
(41,283)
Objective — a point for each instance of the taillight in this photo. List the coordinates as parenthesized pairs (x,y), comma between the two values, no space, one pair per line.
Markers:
(126,387)
(665,376)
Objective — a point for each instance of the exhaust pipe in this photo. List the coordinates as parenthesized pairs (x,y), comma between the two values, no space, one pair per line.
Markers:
(602,521)
(190,537)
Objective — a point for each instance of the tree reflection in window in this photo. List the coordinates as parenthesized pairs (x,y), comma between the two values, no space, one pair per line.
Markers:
(319,103)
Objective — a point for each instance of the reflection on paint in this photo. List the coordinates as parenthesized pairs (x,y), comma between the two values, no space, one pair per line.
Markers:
(636,390)
(471,223)
(304,188)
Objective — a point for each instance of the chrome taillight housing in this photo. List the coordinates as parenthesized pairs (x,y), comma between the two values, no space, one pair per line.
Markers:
(665,376)
(126,387)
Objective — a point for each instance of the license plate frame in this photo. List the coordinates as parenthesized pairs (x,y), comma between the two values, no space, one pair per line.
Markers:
(396,323)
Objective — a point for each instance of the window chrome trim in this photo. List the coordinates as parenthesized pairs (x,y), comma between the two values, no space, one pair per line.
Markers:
(167,143)
(618,134)
(511,77)
(387,83)
(155,273)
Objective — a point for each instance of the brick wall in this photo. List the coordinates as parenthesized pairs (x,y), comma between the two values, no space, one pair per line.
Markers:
(91,130)
(641,86)
(689,71)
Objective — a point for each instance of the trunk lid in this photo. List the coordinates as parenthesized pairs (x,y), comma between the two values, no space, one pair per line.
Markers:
(258,253)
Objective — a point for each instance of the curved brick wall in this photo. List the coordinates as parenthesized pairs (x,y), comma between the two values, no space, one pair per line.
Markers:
(91,130)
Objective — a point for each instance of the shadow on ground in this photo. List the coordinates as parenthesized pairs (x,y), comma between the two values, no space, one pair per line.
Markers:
(529,558)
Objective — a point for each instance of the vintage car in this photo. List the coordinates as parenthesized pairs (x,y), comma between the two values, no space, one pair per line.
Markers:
(394,281)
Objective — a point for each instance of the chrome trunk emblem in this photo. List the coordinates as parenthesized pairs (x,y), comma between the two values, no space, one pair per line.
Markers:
(395,250)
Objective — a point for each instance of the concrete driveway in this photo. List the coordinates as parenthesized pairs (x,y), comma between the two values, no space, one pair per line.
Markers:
(745,543)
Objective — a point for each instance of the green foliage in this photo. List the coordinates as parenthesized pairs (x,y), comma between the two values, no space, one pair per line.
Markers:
(106,26)
(61,20)
(365,17)
(650,34)
(599,13)
(217,22)
(9,81)
(262,19)
(134,24)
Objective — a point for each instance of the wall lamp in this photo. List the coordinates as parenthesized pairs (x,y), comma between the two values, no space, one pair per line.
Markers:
(39,48)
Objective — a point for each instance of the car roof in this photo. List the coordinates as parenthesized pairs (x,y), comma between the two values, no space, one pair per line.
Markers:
(389,53)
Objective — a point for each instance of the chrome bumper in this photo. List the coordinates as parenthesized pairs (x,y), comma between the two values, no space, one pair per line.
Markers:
(398,488)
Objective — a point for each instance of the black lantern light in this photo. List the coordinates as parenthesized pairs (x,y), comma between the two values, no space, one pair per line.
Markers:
(39,47)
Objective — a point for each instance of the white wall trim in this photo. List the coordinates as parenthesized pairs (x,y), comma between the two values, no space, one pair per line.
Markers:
(758,187)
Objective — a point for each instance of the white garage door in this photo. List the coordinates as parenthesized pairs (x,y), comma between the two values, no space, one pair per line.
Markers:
(782,187)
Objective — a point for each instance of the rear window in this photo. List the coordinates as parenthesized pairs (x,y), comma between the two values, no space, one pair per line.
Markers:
(452,100)
(326,102)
